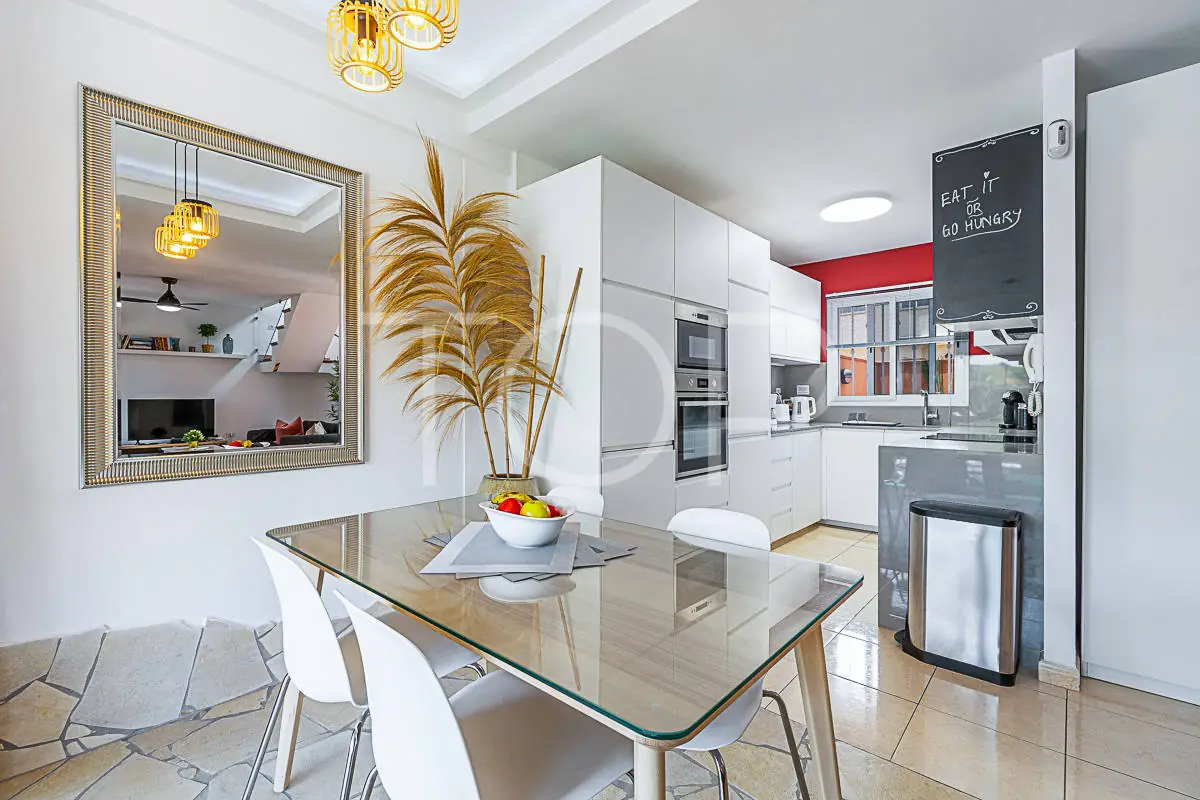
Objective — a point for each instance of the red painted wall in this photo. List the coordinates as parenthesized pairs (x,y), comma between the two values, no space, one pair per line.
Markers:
(871,271)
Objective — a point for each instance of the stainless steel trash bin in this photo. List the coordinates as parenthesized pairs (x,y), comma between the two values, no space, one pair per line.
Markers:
(964,589)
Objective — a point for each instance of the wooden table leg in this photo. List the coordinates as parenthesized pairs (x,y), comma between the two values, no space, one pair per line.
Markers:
(289,727)
(649,773)
(814,689)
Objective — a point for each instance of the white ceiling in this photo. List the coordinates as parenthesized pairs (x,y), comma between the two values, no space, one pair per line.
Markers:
(767,118)
(493,36)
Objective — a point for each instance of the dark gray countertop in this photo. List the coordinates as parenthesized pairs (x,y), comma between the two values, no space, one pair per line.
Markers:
(783,430)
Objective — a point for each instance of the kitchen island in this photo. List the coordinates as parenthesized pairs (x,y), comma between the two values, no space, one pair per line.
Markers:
(979,473)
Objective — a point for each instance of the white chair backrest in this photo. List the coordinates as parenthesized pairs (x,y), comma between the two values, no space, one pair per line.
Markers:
(310,647)
(586,501)
(723,526)
(418,745)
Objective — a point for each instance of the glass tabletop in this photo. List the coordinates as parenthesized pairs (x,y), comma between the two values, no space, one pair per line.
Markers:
(657,641)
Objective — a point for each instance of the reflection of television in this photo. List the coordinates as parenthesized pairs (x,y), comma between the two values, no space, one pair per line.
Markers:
(156,420)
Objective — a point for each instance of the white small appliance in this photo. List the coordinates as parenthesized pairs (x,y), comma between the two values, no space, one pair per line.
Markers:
(780,413)
(803,409)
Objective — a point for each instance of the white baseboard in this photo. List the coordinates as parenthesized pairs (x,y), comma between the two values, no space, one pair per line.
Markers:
(1059,675)
(1187,694)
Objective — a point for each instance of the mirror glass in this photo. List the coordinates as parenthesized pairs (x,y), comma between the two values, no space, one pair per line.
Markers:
(229,311)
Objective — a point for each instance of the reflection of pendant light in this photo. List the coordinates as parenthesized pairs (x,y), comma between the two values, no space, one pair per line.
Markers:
(198,220)
(361,49)
(167,239)
(423,24)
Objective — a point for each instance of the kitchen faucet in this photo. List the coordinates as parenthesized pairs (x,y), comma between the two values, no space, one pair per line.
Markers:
(927,414)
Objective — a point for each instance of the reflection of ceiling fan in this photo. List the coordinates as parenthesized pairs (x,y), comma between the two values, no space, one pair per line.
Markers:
(167,302)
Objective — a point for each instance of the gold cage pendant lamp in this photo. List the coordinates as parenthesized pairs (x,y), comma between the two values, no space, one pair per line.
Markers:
(170,239)
(197,221)
(423,24)
(360,48)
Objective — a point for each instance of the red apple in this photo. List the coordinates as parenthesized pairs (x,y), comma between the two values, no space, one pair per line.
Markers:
(510,506)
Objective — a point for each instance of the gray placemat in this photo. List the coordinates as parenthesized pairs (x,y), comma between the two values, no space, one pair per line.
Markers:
(478,549)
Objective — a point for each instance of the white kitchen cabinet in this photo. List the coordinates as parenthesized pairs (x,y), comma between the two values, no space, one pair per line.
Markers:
(701,255)
(749,342)
(750,476)
(794,337)
(749,259)
(703,491)
(637,395)
(638,238)
(852,476)
(794,291)
(639,486)
(781,526)
(808,470)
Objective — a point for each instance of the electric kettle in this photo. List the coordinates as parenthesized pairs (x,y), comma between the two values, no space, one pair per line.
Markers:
(803,409)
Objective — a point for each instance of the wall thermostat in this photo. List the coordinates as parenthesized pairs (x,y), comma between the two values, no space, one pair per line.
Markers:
(1058,139)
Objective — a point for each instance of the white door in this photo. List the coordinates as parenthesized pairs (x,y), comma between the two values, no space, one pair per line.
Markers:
(639,486)
(703,491)
(638,231)
(749,361)
(852,476)
(750,477)
(808,468)
(637,385)
(701,255)
(749,259)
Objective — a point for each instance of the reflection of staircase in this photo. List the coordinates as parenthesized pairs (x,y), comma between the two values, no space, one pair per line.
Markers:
(297,332)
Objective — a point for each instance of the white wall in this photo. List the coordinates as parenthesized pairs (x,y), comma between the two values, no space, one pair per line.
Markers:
(1140,471)
(73,559)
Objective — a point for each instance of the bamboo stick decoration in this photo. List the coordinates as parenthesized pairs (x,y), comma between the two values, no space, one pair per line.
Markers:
(562,338)
(537,343)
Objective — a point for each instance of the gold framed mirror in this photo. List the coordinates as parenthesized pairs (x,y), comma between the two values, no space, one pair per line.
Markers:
(190,233)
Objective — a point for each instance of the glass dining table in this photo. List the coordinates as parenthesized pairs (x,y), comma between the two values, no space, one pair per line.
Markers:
(653,645)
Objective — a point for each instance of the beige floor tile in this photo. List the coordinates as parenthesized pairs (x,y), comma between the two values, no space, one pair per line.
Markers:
(862,558)
(865,624)
(781,674)
(1021,712)
(978,760)
(1148,752)
(37,714)
(759,763)
(1028,678)
(138,776)
(1088,782)
(868,777)
(15,762)
(814,547)
(884,667)
(14,786)
(1163,711)
(868,719)
(848,610)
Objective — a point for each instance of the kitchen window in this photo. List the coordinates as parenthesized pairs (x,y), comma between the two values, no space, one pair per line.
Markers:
(883,346)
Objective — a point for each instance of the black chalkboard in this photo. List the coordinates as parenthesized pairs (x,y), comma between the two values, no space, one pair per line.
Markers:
(987,230)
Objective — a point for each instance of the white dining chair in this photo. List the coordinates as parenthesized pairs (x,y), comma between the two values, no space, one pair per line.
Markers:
(732,527)
(586,501)
(327,668)
(497,738)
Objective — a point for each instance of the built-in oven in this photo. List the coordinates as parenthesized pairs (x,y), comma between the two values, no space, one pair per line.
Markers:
(700,338)
(701,423)
(701,580)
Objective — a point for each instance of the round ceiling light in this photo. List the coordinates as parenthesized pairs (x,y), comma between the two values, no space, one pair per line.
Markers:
(857,209)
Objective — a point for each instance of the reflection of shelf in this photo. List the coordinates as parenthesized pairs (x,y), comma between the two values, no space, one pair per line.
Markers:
(173,354)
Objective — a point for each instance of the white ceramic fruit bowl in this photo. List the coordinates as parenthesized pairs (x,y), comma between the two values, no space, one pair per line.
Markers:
(520,531)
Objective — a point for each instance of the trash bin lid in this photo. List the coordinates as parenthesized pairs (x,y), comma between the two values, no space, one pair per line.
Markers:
(963,512)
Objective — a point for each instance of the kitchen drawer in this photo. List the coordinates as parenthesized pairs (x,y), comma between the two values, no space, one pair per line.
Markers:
(781,501)
(781,448)
(703,491)
(781,526)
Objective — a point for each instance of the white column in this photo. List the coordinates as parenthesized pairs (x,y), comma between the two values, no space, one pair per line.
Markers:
(1061,100)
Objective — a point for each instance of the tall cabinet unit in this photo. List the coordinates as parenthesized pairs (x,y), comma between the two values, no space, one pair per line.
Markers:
(701,256)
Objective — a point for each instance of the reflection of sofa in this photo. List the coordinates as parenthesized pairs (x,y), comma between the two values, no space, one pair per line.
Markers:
(331,436)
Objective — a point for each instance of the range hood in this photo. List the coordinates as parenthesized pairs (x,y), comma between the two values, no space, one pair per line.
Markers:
(1005,342)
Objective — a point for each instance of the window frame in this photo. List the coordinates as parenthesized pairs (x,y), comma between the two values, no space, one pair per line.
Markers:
(891,296)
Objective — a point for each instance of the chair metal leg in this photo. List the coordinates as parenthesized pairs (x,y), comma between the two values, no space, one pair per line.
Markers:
(369,787)
(262,747)
(801,784)
(722,775)
(479,670)
(352,756)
